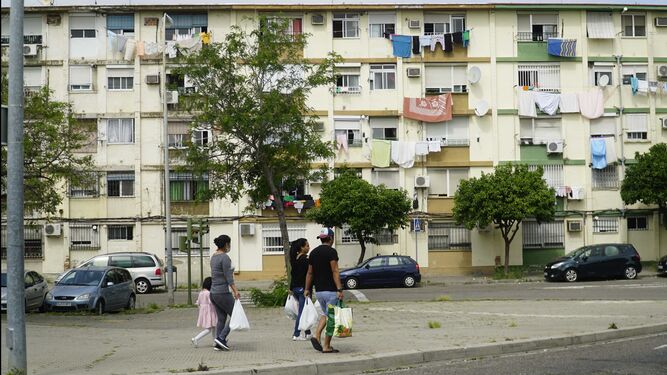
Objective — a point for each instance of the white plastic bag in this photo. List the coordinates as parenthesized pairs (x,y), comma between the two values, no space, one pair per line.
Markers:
(238,321)
(291,307)
(343,321)
(309,316)
(318,307)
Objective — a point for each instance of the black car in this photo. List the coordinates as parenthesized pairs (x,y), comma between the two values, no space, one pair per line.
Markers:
(662,266)
(596,261)
(382,270)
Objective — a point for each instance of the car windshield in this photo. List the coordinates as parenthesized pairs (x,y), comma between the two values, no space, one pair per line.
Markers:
(576,253)
(82,278)
(4,280)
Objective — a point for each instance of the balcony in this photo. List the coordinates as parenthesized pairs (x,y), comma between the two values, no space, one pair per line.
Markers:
(27,39)
(450,157)
(348,90)
(440,205)
(529,36)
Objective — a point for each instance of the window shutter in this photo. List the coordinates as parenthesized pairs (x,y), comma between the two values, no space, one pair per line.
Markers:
(438,76)
(381,17)
(120,21)
(32,76)
(347,125)
(32,25)
(80,75)
(438,183)
(603,126)
(120,72)
(636,122)
(81,22)
(457,128)
(383,122)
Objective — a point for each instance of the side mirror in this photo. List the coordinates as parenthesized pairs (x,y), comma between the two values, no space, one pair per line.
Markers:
(584,258)
(109,283)
(367,267)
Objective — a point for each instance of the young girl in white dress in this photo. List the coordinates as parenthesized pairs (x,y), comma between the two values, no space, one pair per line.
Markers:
(207,316)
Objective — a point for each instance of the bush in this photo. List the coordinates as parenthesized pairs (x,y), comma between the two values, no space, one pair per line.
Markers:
(275,296)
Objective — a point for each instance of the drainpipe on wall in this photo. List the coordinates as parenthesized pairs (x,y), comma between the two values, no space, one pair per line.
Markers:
(621,109)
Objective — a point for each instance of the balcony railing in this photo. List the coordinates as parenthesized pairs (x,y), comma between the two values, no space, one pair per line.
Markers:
(27,39)
(529,36)
(348,90)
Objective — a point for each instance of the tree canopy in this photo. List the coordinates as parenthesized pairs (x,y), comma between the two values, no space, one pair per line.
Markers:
(646,181)
(505,198)
(252,90)
(364,207)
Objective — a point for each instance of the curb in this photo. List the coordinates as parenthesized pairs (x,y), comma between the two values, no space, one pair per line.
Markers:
(363,363)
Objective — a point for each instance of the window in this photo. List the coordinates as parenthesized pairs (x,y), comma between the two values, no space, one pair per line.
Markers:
(84,237)
(178,133)
(347,82)
(201,137)
(32,77)
(381,24)
(120,184)
(142,261)
(600,25)
(445,182)
(178,237)
(448,236)
(124,261)
(121,24)
(384,128)
(120,232)
(637,126)
(637,223)
(294,25)
(346,236)
(120,78)
(636,71)
(598,71)
(446,78)
(552,174)
(376,262)
(543,235)
(540,77)
(387,177)
(120,130)
(349,128)
(450,133)
(346,25)
(606,178)
(186,25)
(605,225)
(386,237)
(439,23)
(85,190)
(33,245)
(537,27)
(383,77)
(272,240)
(539,130)
(603,127)
(184,186)
(634,25)
(32,29)
(80,78)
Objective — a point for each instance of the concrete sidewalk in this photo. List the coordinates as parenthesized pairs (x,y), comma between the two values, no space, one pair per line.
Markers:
(385,335)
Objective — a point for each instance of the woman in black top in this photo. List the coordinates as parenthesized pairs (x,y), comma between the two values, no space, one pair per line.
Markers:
(299,261)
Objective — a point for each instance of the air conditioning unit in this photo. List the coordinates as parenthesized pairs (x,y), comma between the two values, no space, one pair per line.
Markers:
(53,230)
(172,97)
(555,147)
(663,121)
(422,182)
(662,71)
(574,225)
(247,229)
(319,126)
(661,21)
(153,79)
(414,72)
(30,50)
(317,19)
(414,24)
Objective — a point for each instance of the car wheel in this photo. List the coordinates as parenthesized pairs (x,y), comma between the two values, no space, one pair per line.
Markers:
(571,275)
(351,283)
(630,272)
(99,307)
(131,302)
(143,286)
(409,281)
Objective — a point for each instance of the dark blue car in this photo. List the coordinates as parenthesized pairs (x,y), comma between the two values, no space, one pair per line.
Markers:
(382,270)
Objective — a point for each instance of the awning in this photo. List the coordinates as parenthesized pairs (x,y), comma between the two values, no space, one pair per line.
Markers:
(600,25)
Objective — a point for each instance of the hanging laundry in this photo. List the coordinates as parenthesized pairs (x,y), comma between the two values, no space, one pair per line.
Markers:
(569,103)
(577,193)
(449,46)
(653,86)
(416,47)
(140,49)
(425,40)
(403,153)
(562,47)
(401,45)
(561,191)
(634,85)
(591,103)
(381,153)
(170,49)
(151,49)
(129,49)
(205,38)
(527,104)
(547,102)
(429,109)
(642,87)
(395,151)
(299,205)
(457,37)
(435,39)
(598,153)
(434,146)
(341,141)
(192,44)
(122,41)
(421,148)
(466,38)
(610,150)
(112,40)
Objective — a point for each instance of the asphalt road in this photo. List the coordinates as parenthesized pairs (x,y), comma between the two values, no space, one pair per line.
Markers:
(642,356)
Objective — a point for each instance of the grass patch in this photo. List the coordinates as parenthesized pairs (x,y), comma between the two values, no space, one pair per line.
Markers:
(182,306)
(513,324)
(612,325)
(150,309)
(444,298)
(433,324)
(513,273)
(275,296)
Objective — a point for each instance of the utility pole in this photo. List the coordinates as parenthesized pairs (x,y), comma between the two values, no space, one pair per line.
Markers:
(15,334)
(189,250)
(165,146)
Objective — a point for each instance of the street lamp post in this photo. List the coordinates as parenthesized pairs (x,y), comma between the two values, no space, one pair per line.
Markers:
(167,197)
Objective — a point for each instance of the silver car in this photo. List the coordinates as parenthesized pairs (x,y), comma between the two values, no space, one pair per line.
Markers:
(35,291)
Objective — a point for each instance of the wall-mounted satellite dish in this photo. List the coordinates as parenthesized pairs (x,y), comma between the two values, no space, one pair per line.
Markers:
(474,74)
(482,108)
(603,81)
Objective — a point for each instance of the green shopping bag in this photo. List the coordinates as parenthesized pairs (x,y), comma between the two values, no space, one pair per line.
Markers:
(339,320)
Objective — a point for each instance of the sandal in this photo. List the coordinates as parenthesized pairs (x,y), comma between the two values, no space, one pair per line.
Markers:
(316,344)
(331,351)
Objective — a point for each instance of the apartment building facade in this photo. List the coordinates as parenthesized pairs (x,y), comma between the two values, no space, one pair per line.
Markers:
(607,49)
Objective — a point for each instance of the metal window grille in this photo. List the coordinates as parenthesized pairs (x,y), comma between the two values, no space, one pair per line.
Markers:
(552,174)
(386,237)
(120,232)
(605,225)
(84,237)
(541,77)
(272,240)
(357,172)
(33,245)
(120,184)
(544,235)
(606,178)
(637,223)
(347,237)
(448,236)
(550,31)
(186,187)
(86,190)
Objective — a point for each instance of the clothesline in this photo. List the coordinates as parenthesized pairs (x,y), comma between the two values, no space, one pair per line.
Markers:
(406,45)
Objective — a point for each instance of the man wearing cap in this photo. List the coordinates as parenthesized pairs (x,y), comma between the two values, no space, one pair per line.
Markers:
(323,273)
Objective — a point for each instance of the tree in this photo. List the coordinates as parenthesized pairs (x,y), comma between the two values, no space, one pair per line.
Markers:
(51,137)
(646,181)
(252,90)
(504,198)
(366,208)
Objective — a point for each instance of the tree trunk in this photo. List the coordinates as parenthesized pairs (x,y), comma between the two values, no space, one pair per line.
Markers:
(362,243)
(507,256)
(282,222)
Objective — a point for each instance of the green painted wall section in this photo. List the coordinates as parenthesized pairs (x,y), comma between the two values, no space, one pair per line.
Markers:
(636,110)
(508,112)
(661,110)
(537,154)
(537,51)
(574,162)
(532,257)
(624,59)
(579,7)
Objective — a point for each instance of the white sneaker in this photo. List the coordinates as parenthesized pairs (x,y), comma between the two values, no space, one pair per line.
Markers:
(299,338)
(194,342)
